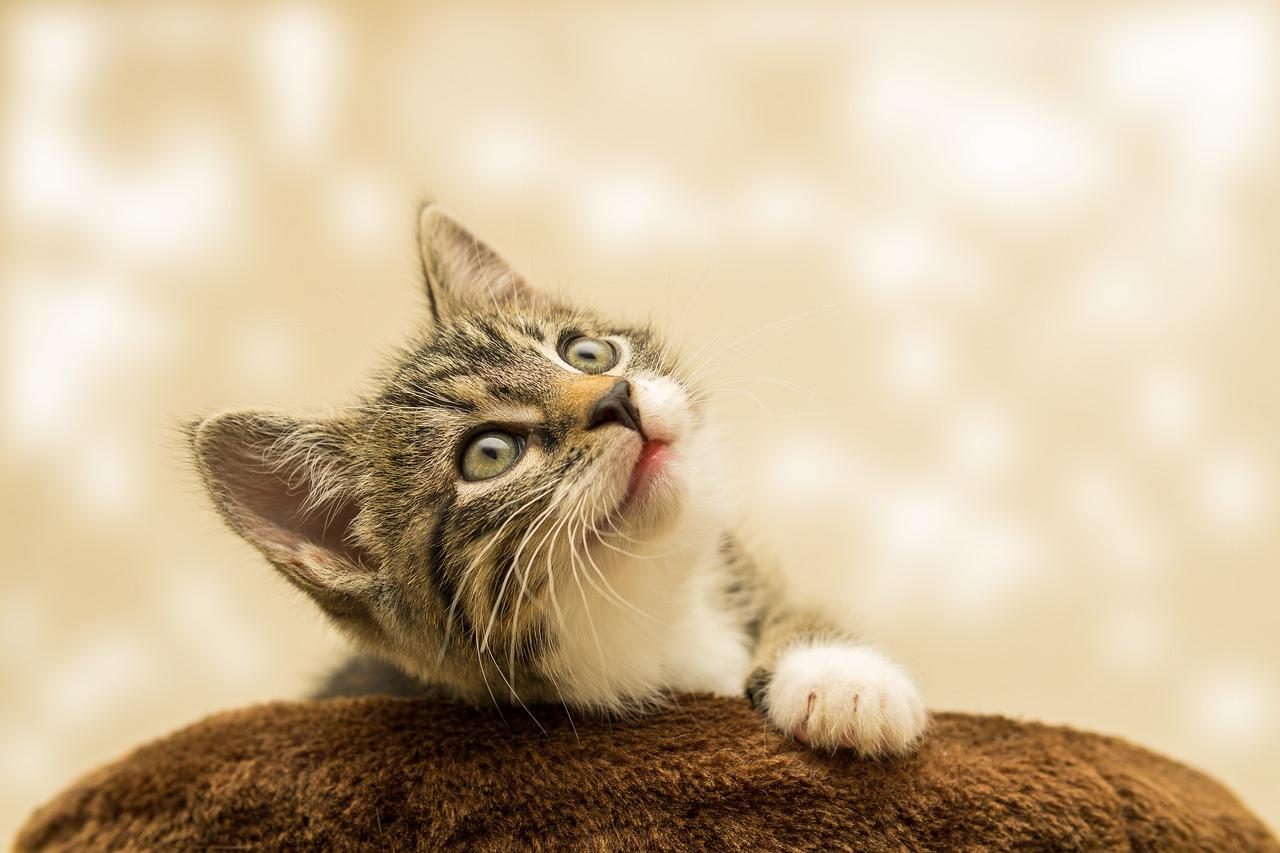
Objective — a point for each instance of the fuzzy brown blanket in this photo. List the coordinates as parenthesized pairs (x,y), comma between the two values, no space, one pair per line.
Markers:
(400,774)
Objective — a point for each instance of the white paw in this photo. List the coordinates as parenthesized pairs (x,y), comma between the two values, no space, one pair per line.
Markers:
(832,696)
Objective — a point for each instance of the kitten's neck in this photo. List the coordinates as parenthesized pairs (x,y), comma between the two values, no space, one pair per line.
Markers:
(657,623)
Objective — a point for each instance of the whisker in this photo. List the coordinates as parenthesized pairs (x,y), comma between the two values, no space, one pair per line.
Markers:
(699,370)
(751,395)
(474,562)
(693,358)
(480,664)
(555,682)
(612,595)
(494,538)
(591,624)
(565,705)
(515,561)
(516,695)
(515,616)
(782,383)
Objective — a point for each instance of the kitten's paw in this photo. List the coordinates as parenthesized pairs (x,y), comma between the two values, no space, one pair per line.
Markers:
(832,696)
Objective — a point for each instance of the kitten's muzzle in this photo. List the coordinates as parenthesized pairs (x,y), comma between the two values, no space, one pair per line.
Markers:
(615,407)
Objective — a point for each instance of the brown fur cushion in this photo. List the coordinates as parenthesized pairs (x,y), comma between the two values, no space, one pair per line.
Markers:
(708,774)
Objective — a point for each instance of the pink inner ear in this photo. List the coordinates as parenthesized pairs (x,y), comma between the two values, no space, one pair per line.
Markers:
(480,277)
(274,496)
(291,515)
(506,286)
(462,268)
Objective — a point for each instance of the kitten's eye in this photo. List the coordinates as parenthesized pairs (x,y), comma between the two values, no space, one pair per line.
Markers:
(490,454)
(590,355)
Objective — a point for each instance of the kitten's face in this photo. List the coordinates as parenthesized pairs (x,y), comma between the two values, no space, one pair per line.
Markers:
(511,471)
(512,458)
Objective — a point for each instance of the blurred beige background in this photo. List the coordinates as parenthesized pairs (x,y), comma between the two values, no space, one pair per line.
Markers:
(1020,261)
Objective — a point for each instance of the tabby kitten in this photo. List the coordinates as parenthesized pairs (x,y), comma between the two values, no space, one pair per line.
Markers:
(531,509)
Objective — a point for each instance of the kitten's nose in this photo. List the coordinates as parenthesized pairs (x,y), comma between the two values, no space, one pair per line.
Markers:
(615,407)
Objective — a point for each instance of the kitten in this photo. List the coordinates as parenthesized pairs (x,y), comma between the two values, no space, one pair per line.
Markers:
(531,509)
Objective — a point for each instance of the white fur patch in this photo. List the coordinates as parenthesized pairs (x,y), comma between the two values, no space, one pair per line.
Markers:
(830,696)
(664,407)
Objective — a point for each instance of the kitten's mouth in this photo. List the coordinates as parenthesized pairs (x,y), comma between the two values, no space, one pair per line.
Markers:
(650,462)
(648,468)
(652,467)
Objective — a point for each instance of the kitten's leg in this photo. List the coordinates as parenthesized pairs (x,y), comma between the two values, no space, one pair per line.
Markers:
(817,684)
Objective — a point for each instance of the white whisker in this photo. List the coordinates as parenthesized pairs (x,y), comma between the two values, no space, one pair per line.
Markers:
(515,561)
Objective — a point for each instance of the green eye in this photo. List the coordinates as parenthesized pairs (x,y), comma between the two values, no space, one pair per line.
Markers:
(590,355)
(490,454)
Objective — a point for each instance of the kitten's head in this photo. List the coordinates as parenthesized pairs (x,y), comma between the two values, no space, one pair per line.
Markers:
(514,456)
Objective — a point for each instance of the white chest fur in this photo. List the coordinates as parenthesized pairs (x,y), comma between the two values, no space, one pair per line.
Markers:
(666,629)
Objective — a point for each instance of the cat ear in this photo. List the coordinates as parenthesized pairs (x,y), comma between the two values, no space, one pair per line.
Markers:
(461,270)
(287,487)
